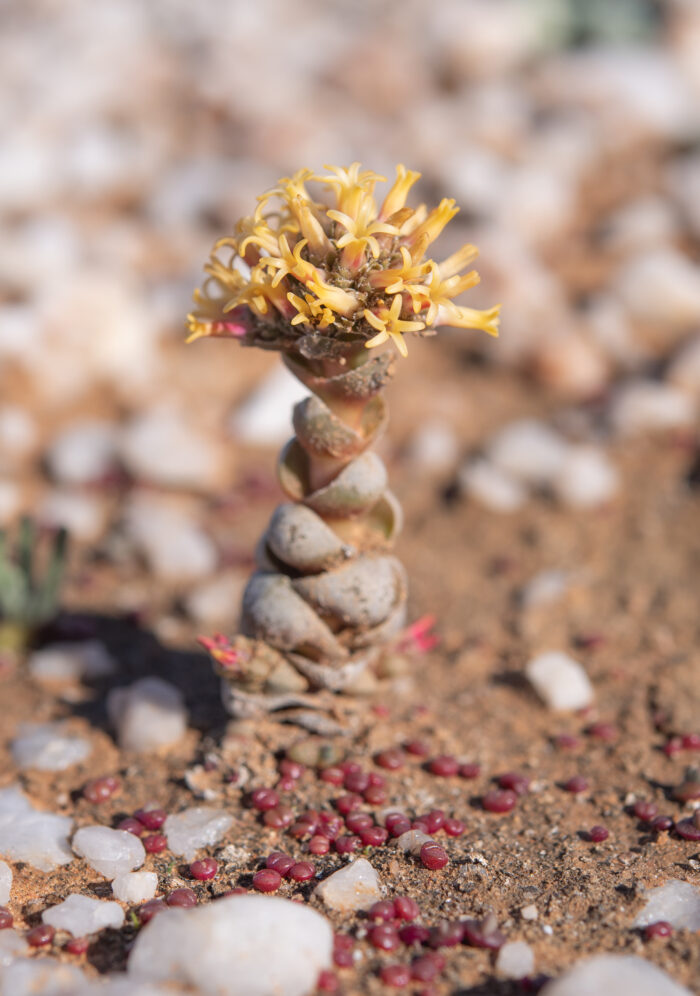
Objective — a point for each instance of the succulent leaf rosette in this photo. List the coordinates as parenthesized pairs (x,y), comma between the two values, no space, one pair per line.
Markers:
(323,275)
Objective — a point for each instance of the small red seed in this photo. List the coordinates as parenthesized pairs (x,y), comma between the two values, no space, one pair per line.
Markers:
(327,982)
(377,780)
(447,934)
(131,825)
(398,827)
(687,829)
(279,862)
(659,929)
(434,820)
(603,731)
(395,975)
(358,821)
(301,829)
(343,958)
(100,789)
(394,817)
(348,803)
(346,844)
(426,967)
(690,741)
(301,871)
(278,818)
(264,798)
(319,845)
(154,843)
(375,795)
(291,769)
(469,771)
(520,784)
(184,898)
(661,823)
(483,934)
(420,824)
(419,748)
(688,791)
(383,910)
(567,741)
(332,775)
(384,937)
(645,811)
(445,765)
(204,869)
(267,880)
(391,759)
(356,781)
(598,834)
(373,836)
(673,746)
(286,784)
(77,945)
(152,819)
(148,910)
(576,785)
(406,908)
(6,919)
(499,801)
(414,933)
(39,937)
(454,827)
(433,856)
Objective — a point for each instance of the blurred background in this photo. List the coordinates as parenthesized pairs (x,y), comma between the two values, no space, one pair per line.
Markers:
(135,133)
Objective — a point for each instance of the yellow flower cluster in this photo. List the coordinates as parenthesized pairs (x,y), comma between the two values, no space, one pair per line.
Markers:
(349,270)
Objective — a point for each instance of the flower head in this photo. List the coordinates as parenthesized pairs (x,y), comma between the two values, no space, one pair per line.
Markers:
(320,278)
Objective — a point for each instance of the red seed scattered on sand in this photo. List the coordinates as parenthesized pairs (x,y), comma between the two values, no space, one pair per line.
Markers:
(278,818)
(394,817)
(395,975)
(384,937)
(499,801)
(688,791)
(660,823)
(567,741)
(356,781)
(391,759)
(342,951)
(375,779)
(420,824)
(433,856)
(291,769)
(576,785)
(77,945)
(286,784)
(406,908)
(444,765)
(332,775)
(301,871)
(358,821)
(414,933)
(383,910)
(375,795)
(483,933)
(454,827)
(603,731)
(434,820)
(383,711)
(426,967)
(184,898)
(264,798)
(598,834)
(301,829)
(347,844)
(267,880)
(279,862)
(152,819)
(419,748)
(645,811)
(447,934)
(131,825)
(690,741)
(204,869)
(688,830)
(6,920)
(469,771)
(327,982)
(331,828)
(100,789)
(351,767)
(148,910)
(520,784)
(347,803)
(374,836)
(397,827)
(154,843)
(39,937)
(659,929)
(319,845)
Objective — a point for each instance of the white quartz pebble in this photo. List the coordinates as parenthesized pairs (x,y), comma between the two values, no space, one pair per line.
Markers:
(5,882)
(263,419)
(135,887)
(515,960)
(147,715)
(173,543)
(48,747)
(434,447)
(623,975)
(194,828)
(661,286)
(649,406)
(354,887)
(586,478)
(12,945)
(82,452)
(413,841)
(676,902)
(237,946)
(82,915)
(71,662)
(560,681)
(684,370)
(109,852)
(528,450)
(491,486)
(162,446)
(41,977)
(28,834)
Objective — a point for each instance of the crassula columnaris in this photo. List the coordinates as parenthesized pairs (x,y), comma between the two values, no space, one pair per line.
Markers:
(322,275)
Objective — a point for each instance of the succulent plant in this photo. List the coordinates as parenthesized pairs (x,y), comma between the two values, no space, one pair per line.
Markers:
(30,580)
(324,284)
